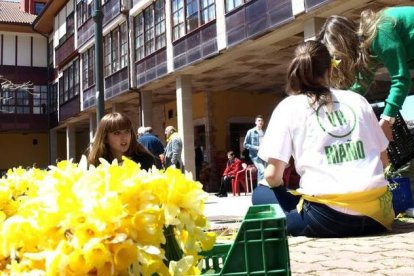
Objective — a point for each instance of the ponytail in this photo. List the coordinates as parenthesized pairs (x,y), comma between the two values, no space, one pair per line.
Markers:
(307,72)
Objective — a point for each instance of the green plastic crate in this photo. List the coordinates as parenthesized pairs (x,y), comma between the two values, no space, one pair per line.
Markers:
(260,247)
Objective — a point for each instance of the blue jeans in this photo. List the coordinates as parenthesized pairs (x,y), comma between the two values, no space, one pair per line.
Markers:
(315,219)
(260,166)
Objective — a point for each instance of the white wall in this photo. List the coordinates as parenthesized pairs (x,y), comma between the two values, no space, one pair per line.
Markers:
(39,52)
(62,23)
(24,50)
(9,53)
(56,32)
(28,54)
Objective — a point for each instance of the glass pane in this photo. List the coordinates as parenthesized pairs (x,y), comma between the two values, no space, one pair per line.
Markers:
(192,22)
(192,8)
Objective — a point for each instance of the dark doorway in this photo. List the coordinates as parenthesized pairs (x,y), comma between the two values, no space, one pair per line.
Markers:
(237,133)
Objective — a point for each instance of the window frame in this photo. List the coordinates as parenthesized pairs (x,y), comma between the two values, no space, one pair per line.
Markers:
(24,101)
(36,6)
(69,86)
(83,12)
(150,30)
(116,50)
(189,15)
(235,4)
(88,65)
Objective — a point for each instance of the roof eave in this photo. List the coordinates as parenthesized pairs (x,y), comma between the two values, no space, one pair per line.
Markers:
(45,20)
(16,27)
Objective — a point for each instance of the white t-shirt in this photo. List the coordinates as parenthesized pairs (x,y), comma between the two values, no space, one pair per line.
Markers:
(261,135)
(336,151)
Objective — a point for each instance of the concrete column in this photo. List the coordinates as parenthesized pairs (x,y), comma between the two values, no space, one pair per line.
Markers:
(208,114)
(221,25)
(185,121)
(92,126)
(311,27)
(70,142)
(168,36)
(214,179)
(146,108)
(158,121)
(52,146)
(298,7)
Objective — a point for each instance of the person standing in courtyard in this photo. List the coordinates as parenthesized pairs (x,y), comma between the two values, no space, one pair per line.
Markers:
(339,151)
(233,165)
(173,149)
(152,143)
(252,141)
(115,138)
(382,38)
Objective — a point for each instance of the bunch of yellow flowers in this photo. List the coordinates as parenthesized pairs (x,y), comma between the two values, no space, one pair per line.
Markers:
(107,220)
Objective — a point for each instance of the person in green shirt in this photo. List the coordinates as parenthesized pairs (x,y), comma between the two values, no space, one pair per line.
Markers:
(385,38)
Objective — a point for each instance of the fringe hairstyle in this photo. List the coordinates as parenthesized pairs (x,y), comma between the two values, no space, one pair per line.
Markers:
(109,123)
(307,73)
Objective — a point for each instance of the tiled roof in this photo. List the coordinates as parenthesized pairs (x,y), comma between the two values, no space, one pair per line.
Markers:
(10,13)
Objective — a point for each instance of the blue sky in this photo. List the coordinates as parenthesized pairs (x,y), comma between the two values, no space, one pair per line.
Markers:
(408,108)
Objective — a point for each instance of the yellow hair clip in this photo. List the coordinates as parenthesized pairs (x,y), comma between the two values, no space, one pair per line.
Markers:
(335,62)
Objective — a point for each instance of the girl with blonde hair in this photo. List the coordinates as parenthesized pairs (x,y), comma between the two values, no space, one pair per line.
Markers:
(383,38)
(114,138)
(337,145)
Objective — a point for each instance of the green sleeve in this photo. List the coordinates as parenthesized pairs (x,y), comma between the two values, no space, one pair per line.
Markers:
(390,50)
(357,87)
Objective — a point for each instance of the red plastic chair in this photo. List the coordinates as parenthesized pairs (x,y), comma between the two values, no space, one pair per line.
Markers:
(239,179)
(251,175)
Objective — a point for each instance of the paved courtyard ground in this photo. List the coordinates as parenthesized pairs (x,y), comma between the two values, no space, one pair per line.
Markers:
(388,254)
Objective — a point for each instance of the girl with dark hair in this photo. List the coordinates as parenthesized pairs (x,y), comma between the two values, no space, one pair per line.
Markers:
(338,148)
(114,138)
(381,38)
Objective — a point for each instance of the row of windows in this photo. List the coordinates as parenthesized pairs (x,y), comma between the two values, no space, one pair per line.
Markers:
(149,35)
(150,30)
(115,58)
(187,15)
(116,49)
(88,59)
(69,83)
(83,11)
(149,26)
(24,101)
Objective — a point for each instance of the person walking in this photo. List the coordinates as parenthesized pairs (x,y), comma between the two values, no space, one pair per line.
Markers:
(233,165)
(339,151)
(381,38)
(173,149)
(152,143)
(252,141)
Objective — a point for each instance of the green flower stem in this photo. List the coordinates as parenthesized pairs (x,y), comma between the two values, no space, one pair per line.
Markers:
(173,251)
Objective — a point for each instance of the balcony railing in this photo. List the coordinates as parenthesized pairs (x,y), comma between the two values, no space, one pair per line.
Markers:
(196,46)
(20,122)
(65,50)
(116,83)
(111,9)
(69,108)
(89,98)
(86,31)
(313,4)
(256,18)
(151,67)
